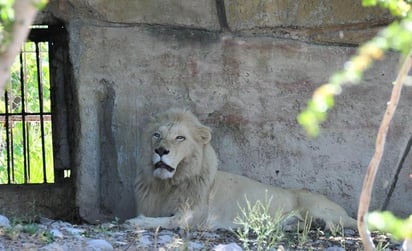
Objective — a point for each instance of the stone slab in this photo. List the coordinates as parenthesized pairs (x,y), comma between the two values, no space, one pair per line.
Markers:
(198,14)
(246,14)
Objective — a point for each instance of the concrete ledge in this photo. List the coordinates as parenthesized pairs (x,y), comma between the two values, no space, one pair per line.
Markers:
(246,14)
(199,14)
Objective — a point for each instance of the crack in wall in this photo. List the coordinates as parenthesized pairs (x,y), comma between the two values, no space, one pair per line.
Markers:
(396,177)
(110,181)
(221,15)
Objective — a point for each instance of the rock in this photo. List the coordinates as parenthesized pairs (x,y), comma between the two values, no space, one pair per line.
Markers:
(228,247)
(4,221)
(57,233)
(28,246)
(19,227)
(45,221)
(407,245)
(195,246)
(164,239)
(74,231)
(350,232)
(108,225)
(145,241)
(98,245)
(334,248)
(52,247)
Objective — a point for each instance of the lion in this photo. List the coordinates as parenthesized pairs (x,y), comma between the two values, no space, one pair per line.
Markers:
(180,185)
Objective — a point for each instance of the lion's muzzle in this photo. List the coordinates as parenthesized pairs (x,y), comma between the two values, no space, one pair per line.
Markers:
(163,165)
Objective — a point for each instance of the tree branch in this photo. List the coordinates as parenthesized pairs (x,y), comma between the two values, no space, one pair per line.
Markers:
(369,179)
(25,12)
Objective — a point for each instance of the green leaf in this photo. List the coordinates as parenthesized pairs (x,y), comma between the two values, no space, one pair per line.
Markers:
(387,222)
(368,3)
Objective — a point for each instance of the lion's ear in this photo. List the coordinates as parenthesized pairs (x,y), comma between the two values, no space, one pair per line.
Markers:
(204,133)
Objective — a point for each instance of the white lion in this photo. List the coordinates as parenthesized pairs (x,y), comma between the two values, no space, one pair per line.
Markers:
(180,185)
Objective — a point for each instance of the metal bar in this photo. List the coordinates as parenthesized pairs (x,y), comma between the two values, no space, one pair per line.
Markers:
(12,154)
(23,110)
(26,124)
(40,90)
(6,104)
(28,150)
(27,113)
(28,118)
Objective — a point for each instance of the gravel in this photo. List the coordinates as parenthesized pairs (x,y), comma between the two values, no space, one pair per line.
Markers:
(50,235)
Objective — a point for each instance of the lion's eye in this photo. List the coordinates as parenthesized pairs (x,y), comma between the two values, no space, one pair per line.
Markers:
(156,135)
(180,138)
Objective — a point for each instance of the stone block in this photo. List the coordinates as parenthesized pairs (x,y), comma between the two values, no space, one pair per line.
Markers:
(246,14)
(199,14)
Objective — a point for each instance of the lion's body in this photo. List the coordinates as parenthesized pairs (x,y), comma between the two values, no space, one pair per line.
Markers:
(187,190)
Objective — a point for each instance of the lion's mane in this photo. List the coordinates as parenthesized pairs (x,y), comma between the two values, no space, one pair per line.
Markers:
(194,176)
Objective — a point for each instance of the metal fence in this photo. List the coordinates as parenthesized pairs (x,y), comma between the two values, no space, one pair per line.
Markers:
(26,147)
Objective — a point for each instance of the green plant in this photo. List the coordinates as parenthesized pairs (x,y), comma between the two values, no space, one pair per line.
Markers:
(257,227)
(10,233)
(30,228)
(302,232)
(47,236)
(6,21)
(382,246)
(116,223)
(338,232)
(387,222)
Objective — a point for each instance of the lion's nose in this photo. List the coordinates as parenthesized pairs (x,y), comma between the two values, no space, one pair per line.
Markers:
(161,151)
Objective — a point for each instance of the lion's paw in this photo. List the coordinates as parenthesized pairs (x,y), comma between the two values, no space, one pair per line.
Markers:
(135,222)
(150,222)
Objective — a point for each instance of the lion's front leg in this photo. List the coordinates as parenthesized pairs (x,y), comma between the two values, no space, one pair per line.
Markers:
(179,220)
(150,222)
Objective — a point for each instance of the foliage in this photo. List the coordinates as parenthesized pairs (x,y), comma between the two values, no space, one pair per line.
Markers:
(6,21)
(258,228)
(32,128)
(303,231)
(396,36)
(7,18)
(387,222)
(338,231)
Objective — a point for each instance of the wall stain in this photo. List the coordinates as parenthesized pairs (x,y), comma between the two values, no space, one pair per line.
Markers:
(110,182)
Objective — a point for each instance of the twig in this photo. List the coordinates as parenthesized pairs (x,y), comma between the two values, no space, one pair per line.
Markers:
(369,179)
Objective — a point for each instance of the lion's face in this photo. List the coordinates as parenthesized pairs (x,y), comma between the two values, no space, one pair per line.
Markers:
(176,143)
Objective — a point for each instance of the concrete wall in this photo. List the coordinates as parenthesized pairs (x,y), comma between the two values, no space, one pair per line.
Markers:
(246,68)
(29,202)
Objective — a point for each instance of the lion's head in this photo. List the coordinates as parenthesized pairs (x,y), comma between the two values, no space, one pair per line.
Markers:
(179,143)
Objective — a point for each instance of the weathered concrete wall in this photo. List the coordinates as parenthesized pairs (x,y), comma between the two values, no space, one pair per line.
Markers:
(134,58)
(28,202)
